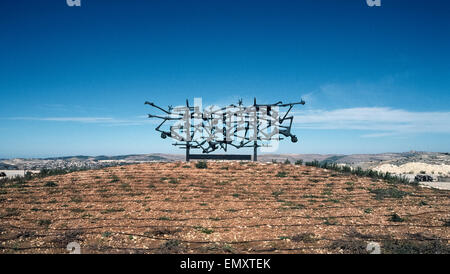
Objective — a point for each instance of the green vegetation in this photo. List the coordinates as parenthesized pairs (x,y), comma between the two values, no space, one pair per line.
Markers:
(50,184)
(396,218)
(204,230)
(76,199)
(360,172)
(106,234)
(125,187)
(329,221)
(44,222)
(201,165)
(299,162)
(382,193)
(10,212)
(423,203)
(19,182)
(415,246)
(114,179)
(215,218)
(281,174)
(304,237)
(277,193)
(112,210)
(170,247)
(327,191)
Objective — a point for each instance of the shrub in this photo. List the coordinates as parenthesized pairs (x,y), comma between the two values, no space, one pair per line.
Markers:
(423,203)
(125,187)
(304,237)
(392,179)
(313,163)
(382,193)
(50,184)
(281,174)
(76,199)
(329,222)
(115,179)
(171,247)
(415,246)
(112,210)
(44,222)
(204,230)
(396,218)
(106,234)
(201,164)
(277,193)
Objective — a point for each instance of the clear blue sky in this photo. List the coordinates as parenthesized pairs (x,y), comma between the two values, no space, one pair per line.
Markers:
(73,80)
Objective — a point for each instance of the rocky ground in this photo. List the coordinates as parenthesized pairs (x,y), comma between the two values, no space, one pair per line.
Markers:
(228,207)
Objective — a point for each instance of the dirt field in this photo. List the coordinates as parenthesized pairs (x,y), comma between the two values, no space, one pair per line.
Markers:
(228,207)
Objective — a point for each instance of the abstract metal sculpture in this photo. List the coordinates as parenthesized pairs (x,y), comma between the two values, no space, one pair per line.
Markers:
(214,128)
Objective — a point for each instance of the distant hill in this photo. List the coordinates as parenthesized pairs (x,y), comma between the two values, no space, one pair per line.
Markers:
(128,157)
(4,166)
(363,160)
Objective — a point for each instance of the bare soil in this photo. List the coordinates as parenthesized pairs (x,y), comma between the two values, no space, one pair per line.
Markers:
(229,207)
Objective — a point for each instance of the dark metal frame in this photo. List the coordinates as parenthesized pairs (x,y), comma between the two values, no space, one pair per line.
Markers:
(210,146)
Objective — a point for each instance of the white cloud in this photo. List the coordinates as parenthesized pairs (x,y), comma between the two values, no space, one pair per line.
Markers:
(375,121)
(108,121)
(383,121)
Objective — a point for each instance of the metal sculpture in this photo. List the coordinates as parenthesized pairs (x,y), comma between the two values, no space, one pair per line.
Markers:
(217,128)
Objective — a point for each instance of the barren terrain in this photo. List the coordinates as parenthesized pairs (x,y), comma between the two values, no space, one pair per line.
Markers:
(415,168)
(228,207)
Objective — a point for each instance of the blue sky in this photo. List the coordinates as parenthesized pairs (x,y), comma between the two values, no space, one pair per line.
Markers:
(73,80)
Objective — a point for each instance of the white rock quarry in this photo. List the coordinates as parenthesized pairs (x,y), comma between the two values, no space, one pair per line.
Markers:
(415,168)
